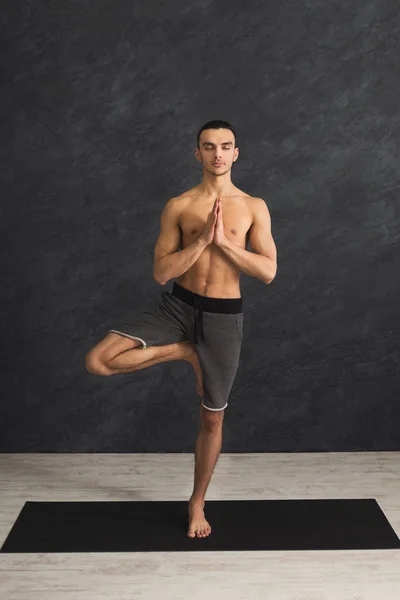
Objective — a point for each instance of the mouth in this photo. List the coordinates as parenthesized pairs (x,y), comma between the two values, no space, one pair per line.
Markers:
(218,164)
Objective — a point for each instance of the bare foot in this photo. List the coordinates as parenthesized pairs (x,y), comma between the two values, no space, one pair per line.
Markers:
(193,358)
(198,525)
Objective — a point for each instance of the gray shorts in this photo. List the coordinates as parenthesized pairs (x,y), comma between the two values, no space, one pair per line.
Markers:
(213,325)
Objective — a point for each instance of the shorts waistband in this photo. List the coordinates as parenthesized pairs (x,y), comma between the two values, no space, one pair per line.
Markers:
(204,303)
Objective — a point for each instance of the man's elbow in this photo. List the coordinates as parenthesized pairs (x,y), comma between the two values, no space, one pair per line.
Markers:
(156,275)
(271,276)
(159,281)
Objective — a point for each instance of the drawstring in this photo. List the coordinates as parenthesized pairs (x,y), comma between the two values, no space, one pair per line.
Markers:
(198,320)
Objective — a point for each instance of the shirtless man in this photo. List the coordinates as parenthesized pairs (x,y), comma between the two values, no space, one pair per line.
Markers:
(202,244)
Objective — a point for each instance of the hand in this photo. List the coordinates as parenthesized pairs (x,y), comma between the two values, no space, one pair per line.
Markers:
(208,233)
(219,234)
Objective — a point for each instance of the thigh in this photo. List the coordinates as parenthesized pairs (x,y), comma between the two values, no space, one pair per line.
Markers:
(219,356)
(164,322)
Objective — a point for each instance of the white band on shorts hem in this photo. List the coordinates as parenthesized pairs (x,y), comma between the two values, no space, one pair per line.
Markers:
(214,408)
(130,336)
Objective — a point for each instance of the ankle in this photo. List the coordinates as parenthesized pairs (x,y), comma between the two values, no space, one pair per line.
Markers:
(196,501)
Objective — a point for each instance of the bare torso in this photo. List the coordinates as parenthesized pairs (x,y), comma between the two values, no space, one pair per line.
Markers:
(214,274)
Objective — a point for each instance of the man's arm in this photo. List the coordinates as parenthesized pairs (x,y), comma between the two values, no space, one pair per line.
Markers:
(262,261)
(169,262)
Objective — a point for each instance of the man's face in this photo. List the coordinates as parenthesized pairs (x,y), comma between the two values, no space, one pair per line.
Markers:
(217,146)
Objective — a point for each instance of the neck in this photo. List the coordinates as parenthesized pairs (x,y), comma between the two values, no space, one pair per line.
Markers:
(214,190)
(214,185)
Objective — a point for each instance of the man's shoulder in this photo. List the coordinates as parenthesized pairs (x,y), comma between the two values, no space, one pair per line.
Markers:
(190,194)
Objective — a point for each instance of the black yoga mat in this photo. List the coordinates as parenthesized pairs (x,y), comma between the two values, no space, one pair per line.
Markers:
(354,524)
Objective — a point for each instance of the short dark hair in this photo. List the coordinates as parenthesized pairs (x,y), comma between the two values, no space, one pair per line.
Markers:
(215,125)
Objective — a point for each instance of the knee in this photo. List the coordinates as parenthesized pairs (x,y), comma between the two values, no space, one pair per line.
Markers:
(211,419)
(95,366)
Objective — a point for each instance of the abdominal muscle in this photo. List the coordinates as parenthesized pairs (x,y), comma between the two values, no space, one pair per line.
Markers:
(212,275)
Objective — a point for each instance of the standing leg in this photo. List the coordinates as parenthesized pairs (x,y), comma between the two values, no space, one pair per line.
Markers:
(208,448)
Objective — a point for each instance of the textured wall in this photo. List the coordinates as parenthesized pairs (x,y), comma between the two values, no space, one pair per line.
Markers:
(102,104)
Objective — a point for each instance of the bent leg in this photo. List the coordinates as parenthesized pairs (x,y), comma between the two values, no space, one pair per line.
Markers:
(136,359)
(120,354)
(160,331)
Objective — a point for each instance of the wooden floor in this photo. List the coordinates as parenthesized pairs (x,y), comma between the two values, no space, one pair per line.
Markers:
(327,575)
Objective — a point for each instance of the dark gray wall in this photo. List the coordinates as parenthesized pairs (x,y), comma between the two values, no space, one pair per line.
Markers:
(102,103)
